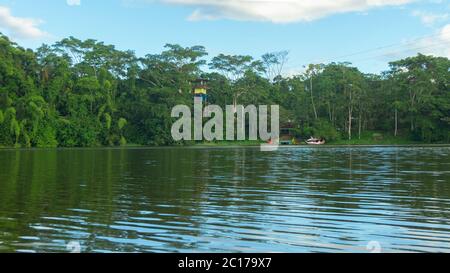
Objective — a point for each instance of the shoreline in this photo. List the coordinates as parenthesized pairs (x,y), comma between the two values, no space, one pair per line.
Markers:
(231,146)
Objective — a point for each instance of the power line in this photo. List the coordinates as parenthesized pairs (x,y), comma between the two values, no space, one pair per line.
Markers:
(415,40)
(405,50)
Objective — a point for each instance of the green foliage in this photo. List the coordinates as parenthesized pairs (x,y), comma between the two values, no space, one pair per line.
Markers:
(123,141)
(121,123)
(326,130)
(108,120)
(46,136)
(85,93)
(322,128)
(15,129)
(10,113)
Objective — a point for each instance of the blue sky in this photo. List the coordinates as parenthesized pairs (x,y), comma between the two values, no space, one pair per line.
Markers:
(369,33)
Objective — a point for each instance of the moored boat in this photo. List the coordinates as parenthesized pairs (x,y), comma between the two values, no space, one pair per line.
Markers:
(315,141)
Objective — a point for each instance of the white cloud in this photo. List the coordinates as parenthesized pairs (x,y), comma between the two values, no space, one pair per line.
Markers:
(20,27)
(293,71)
(278,11)
(429,18)
(438,45)
(73,2)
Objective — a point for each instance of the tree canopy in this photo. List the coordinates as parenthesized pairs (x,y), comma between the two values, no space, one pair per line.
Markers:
(86,93)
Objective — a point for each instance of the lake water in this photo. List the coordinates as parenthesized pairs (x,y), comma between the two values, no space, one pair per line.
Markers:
(327,199)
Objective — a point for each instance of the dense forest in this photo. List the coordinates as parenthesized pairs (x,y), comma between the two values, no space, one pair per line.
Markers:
(86,93)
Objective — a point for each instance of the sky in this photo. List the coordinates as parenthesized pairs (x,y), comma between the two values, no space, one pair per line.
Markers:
(367,33)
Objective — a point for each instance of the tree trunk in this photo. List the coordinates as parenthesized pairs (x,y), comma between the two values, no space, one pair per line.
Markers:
(359,126)
(349,123)
(333,111)
(396,122)
(312,98)
(350,110)
(412,97)
(330,114)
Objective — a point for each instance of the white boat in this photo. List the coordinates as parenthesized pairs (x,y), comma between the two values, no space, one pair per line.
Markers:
(315,141)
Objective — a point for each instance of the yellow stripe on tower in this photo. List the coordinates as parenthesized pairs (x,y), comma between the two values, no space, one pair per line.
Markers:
(200,91)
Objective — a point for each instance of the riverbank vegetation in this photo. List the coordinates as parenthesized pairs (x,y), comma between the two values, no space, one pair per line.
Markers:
(86,93)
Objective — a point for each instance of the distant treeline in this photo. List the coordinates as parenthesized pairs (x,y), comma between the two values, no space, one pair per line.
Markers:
(86,93)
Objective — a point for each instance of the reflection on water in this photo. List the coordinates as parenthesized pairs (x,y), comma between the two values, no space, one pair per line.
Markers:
(225,200)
